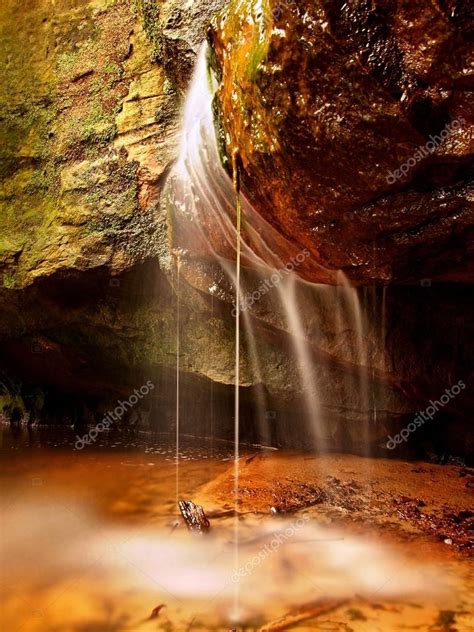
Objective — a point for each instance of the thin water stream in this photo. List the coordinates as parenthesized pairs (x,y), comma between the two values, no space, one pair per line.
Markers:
(238,213)
(178,371)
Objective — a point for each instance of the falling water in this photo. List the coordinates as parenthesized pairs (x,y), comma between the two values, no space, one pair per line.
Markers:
(256,371)
(355,317)
(288,295)
(178,370)
(238,209)
(204,210)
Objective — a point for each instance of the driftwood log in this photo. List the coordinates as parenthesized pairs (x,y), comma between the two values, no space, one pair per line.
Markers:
(194,516)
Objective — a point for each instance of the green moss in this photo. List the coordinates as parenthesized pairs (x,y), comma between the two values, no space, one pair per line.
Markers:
(106,225)
(150,14)
(114,73)
(259,28)
(60,109)
(23,220)
(9,281)
(261,38)
(29,166)
(25,130)
(91,133)
(98,125)
(65,62)
(112,68)
(113,219)
(94,119)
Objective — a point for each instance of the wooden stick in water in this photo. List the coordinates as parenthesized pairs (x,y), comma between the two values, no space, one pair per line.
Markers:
(194,516)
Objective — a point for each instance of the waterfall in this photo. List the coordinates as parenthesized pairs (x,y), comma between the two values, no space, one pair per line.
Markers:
(214,228)
(178,372)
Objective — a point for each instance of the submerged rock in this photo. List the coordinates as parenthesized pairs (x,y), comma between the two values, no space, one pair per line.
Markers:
(354,123)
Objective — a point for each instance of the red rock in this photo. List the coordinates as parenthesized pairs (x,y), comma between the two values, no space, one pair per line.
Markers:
(324,100)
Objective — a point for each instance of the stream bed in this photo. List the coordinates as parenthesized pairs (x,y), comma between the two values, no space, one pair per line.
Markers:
(92,539)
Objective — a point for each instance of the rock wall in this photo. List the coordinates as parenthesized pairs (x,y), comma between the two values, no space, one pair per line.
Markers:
(89,126)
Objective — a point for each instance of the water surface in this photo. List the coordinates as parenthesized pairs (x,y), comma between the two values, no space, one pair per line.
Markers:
(91,541)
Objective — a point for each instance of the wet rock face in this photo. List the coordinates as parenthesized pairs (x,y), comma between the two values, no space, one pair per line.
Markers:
(354,124)
(88,296)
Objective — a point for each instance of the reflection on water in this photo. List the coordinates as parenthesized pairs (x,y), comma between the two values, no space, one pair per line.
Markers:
(17,438)
(92,542)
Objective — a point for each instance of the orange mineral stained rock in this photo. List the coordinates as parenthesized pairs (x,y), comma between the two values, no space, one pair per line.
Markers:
(354,125)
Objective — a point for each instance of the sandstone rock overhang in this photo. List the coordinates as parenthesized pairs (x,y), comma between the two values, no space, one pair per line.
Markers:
(354,124)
